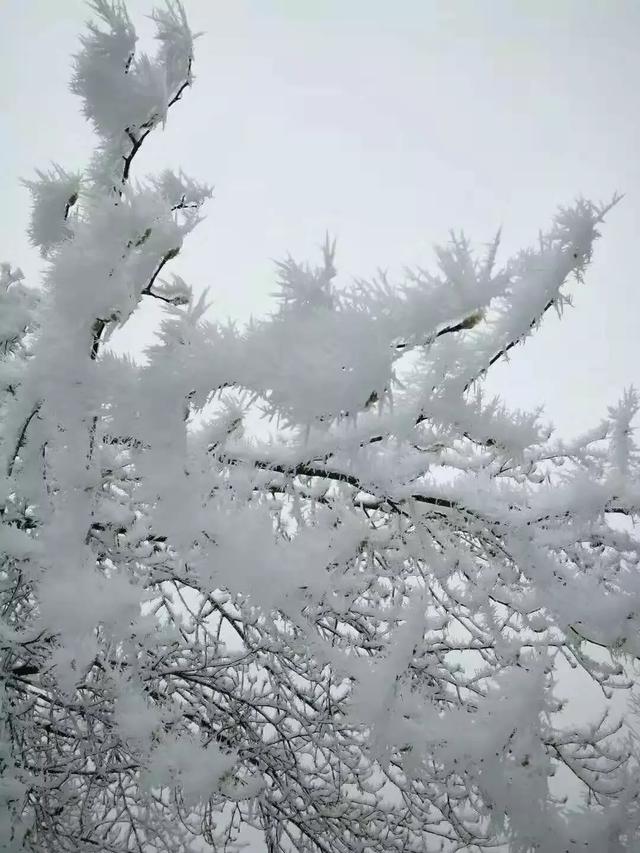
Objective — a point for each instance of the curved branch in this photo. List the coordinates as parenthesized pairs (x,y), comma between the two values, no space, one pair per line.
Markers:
(147,127)
(21,439)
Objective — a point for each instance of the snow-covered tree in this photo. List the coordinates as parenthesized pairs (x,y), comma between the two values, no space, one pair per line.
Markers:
(350,631)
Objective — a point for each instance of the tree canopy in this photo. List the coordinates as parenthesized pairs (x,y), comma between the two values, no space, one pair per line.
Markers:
(348,631)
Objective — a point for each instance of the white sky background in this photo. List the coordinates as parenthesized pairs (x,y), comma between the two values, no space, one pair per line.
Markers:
(386,122)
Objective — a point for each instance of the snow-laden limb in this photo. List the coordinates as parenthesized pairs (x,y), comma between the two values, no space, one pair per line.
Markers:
(455,324)
(126,96)
(351,636)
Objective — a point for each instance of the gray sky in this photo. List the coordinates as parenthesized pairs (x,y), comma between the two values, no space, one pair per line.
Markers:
(386,123)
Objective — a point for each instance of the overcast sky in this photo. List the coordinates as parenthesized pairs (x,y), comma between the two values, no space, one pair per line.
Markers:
(387,123)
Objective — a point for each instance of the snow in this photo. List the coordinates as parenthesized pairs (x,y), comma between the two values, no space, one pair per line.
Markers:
(204,629)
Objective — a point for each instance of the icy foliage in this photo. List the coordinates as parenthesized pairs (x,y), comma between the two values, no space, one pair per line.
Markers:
(351,636)
(124,94)
(54,194)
